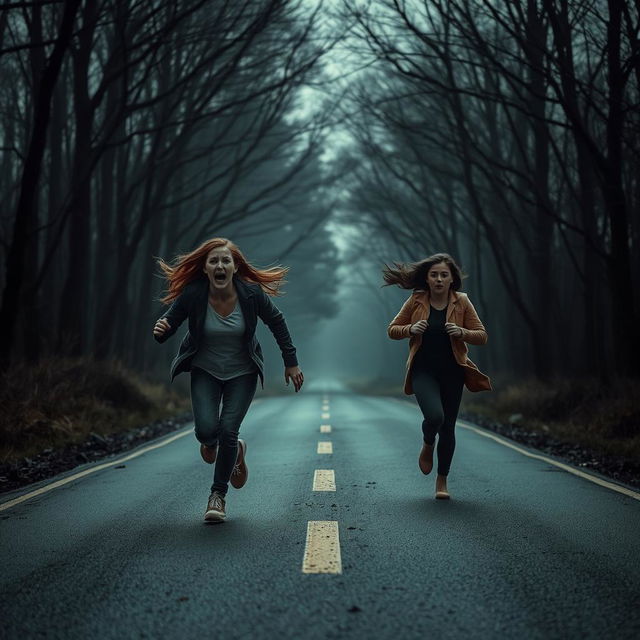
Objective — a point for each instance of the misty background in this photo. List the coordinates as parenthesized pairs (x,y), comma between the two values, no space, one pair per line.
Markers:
(330,137)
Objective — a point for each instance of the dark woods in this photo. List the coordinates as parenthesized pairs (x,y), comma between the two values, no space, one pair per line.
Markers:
(502,132)
(132,129)
(507,133)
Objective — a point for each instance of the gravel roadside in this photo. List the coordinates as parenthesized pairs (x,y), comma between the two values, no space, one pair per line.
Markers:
(616,468)
(51,462)
(54,461)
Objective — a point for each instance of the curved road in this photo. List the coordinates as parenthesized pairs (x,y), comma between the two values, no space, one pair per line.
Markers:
(524,549)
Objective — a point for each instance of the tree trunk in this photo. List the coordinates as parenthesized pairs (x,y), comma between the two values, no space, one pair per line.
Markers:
(625,321)
(30,298)
(541,263)
(26,213)
(74,301)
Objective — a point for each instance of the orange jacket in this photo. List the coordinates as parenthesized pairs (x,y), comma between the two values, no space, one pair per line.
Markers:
(459,311)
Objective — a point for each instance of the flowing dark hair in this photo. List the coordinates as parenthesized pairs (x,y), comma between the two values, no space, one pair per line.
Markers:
(413,275)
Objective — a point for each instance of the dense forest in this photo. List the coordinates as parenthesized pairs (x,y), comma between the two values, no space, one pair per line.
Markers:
(503,132)
(507,133)
(132,130)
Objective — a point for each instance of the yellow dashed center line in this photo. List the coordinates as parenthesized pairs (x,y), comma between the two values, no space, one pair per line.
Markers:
(322,550)
(324,480)
(325,447)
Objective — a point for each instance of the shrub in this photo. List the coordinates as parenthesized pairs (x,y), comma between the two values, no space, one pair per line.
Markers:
(64,400)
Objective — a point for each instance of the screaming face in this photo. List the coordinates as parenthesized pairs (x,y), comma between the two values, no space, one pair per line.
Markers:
(220,267)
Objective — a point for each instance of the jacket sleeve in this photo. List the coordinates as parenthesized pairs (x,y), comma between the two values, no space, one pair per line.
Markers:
(473,330)
(400,326)
(273,318)
(176,315)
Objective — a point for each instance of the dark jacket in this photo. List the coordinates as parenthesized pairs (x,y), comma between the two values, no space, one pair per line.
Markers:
(254,302)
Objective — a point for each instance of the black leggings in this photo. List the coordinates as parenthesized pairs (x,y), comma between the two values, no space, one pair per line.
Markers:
(439,394)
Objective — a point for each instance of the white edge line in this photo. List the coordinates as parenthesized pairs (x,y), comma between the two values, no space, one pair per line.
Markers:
(565,467)
(556,463)
(86,472)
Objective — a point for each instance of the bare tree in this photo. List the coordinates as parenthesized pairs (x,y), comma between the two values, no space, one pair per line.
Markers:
(173,119)
(523,113)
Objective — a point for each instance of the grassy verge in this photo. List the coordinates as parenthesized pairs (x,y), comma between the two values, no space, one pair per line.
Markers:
(63,401)
(579,411)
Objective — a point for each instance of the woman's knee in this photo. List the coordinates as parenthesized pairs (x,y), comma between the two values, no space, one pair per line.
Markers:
(207,431)
(433,419)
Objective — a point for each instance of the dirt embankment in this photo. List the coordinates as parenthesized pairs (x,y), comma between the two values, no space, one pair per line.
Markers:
(65,412)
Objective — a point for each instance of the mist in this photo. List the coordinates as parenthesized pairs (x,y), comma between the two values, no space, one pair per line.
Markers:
(329,138)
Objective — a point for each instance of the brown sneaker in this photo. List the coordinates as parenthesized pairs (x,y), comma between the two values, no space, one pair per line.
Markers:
(240,472)
(215,508)
(425,461)
(208,453)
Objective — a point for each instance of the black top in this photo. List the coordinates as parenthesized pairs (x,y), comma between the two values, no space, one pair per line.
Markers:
(435,352)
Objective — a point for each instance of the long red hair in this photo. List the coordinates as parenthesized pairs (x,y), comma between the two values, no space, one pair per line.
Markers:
(188,267)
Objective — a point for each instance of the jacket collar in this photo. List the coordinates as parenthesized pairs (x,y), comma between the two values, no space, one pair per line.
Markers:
(243,288)
(244,294)
(423,297)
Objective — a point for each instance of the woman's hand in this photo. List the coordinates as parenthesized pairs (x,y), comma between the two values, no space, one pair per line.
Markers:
(453,329)
(160,327)
(418,328)
(296,375)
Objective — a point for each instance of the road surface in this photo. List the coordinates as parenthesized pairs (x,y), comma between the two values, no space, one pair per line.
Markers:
(524,549)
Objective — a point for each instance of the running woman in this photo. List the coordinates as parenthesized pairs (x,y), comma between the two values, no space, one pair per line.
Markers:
(222,295)
(439,321)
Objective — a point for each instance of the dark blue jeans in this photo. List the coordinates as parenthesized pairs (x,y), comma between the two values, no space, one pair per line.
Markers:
(214,427)
(439,393)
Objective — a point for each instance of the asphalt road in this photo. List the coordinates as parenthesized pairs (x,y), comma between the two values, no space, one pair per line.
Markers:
(523,549)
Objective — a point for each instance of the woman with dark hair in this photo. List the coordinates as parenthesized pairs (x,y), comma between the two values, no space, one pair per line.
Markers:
(439,321)
(222,295)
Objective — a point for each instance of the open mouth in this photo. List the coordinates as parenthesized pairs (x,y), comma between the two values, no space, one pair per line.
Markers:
(220,277)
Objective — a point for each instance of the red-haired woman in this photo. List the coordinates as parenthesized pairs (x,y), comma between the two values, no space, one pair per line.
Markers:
(439,321)
(222,296)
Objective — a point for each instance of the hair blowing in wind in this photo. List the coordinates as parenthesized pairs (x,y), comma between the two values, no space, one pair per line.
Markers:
(188,267)
(413,275)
